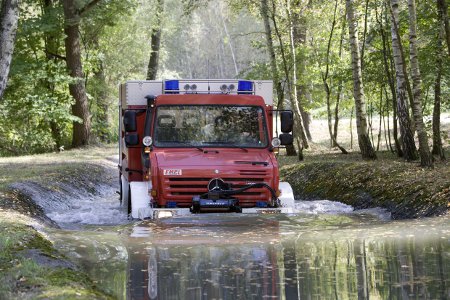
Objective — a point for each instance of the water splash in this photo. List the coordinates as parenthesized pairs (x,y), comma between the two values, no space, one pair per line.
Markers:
(70,206)
(336,208)
(322,207)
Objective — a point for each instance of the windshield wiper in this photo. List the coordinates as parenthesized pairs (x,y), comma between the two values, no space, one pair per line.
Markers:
(189,144)
(227,144)
(238,146)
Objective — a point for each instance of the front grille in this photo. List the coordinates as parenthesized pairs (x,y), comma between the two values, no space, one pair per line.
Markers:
(181,190)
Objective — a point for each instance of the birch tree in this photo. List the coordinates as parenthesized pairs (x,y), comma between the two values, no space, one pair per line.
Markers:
(9,16)
(264,8)
(388,68)
(299,131)
(424,149)
(407,137)
(437,141)
(292,86)
(365,145)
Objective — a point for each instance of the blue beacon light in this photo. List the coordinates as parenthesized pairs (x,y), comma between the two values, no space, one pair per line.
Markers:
(171,86)
(245,87)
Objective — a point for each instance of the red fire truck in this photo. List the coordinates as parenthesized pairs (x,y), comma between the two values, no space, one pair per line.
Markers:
(193,146)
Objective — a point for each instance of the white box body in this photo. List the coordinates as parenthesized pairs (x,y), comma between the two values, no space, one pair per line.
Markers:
(133,93)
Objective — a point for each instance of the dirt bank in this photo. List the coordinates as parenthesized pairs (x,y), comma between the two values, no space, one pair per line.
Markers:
(30,267)
(403,188)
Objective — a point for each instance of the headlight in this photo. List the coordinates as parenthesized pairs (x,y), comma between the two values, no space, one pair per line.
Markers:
(147,141)
(276,142)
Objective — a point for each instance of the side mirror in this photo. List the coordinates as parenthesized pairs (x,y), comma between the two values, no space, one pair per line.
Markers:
(129,121)
(131,139)
(287,121)
(286,139)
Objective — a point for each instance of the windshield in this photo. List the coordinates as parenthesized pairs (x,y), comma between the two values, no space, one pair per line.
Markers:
(210,126)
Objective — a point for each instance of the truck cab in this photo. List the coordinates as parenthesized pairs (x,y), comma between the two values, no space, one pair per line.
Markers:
(208,146)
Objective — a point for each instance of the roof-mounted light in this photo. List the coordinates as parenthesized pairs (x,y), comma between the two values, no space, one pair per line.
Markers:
(224,88)
(227,88)
(245,87)
(190,88)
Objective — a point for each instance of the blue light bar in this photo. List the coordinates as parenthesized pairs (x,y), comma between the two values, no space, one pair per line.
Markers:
(171,87)
(245,87)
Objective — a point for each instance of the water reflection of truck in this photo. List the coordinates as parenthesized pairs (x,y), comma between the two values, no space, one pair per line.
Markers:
(212,257)
(189,146)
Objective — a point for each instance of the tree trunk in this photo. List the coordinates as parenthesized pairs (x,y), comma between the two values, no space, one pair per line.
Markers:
(153,62)
(299,39)
(443,8)
(333,142)
(387,117)
(363,46)
(292,85)
(51,40)
(365,145)
(233,56)
(290,149)
(102,104)
(339,92)
(437,141)
(388,67)
(407,137)
(81,131)
(351,127)
(9,17)
(298,122)
(381,114)
(325,77)
(424,149)
(270,48)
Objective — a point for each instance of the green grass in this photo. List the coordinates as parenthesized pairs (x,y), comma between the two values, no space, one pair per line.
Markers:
(404,188)
(44,167)
(25,278)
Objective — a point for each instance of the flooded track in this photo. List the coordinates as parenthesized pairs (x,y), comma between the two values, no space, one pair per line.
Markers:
(325,251)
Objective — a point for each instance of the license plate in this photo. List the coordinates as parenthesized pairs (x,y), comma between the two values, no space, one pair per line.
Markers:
(173,172)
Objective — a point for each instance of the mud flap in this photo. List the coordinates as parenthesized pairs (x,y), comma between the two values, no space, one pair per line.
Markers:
(140,199)
(287,195)
(124,189)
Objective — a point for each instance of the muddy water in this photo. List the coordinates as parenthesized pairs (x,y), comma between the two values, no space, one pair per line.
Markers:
(325,251)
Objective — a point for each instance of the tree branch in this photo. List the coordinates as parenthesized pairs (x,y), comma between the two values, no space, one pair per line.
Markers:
(55,55)
(3,145)
(82,11)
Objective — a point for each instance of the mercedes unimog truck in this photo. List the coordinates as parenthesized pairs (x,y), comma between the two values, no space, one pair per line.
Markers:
(198,146)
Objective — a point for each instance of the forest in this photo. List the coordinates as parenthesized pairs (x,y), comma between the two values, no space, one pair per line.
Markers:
(381,66)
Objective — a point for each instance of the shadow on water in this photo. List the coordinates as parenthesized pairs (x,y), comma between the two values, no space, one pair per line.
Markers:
(313,256)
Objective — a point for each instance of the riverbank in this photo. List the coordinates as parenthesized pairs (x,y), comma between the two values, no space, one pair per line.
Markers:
(403,188)
(30,267)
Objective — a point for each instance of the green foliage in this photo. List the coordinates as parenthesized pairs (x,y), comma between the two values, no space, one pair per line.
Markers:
(200,38)
(37,93)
